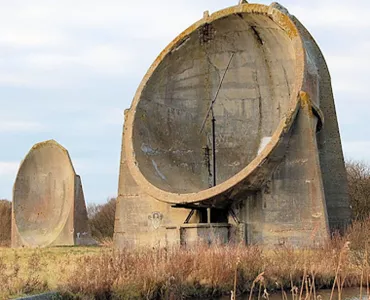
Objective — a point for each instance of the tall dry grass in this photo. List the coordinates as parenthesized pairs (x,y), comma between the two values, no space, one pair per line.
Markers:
(201,271)
(179,273)
(29,271)
(209,272)
(20,279)
(204,271)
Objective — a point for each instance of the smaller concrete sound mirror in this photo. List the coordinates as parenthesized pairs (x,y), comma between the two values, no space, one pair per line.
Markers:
(232,136)
(48,201)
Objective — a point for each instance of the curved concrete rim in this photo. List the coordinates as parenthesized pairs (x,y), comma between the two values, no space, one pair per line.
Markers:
(56,234)
(286,24)
(44,143)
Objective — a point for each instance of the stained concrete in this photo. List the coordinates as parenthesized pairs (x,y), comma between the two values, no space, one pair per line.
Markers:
(279,163)
(48,202)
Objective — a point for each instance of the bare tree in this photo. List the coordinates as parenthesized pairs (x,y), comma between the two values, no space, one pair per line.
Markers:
(101,219)
(358,174)
(5,222)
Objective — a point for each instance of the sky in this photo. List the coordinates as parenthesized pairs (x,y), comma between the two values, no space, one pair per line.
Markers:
(69,69)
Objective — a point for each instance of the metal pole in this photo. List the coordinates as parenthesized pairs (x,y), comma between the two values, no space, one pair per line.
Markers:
(214,147)
(215,98)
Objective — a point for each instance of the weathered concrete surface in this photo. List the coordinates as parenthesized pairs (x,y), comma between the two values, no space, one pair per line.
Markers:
(48,202)
(280,169)
(328,138)
(192,234)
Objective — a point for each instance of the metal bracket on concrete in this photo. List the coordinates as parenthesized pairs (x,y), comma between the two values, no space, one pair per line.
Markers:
(233,215)
(189,216)
(190,206)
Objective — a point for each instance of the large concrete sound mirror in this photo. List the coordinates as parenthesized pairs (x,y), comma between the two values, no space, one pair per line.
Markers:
(48,201)
(232,136)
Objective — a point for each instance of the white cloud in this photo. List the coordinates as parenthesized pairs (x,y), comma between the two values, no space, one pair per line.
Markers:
(84,166)
(8,168)
(107,58)
(24,37)
(41,23)
(349,71)
(20,126)
(330,13)
(358,150)
(13,79)
(112,116)
(103,58)
(60,44)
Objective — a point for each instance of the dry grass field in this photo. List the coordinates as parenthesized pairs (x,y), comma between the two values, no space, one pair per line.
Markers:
(29,271)
(106,273)
(203,272)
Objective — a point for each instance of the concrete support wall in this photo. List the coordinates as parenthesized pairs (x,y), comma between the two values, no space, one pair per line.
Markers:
(328,139)
(142,220)
(193,234)
(291,208)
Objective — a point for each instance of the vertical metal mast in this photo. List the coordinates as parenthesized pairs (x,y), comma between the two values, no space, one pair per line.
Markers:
(210,110)
(214,147)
